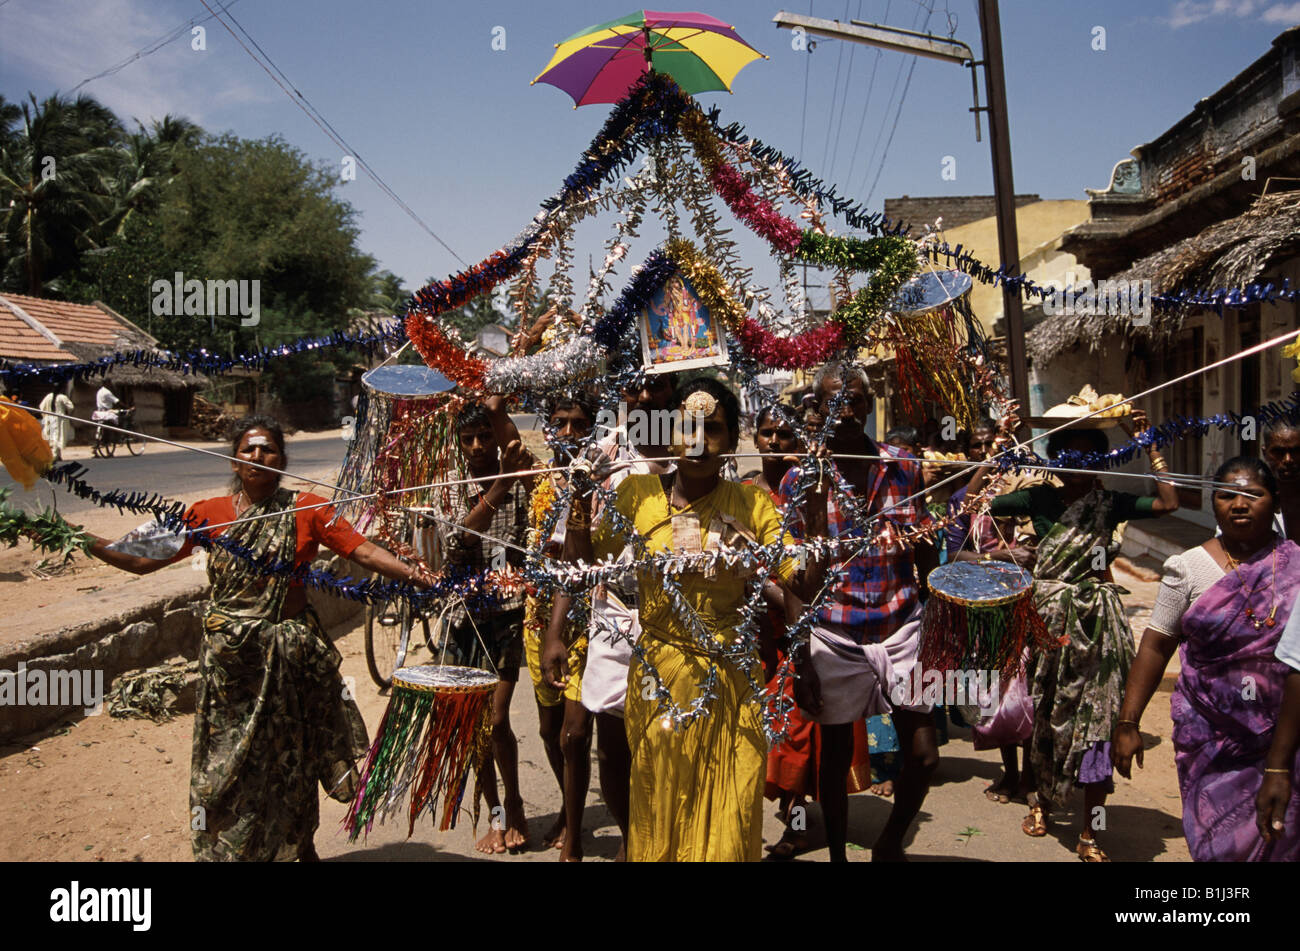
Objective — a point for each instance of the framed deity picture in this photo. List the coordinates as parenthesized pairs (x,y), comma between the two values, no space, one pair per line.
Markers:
(678,332)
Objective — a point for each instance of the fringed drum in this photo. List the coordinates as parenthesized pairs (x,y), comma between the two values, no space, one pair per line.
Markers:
(933,323)
(404,436)
(437,726)
(980,616)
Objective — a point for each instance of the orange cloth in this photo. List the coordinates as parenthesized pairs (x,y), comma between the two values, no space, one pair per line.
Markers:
(312,524)
(792,766)
(23,449)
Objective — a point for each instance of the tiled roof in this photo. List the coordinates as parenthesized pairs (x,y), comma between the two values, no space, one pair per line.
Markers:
(67,323)
(19,342)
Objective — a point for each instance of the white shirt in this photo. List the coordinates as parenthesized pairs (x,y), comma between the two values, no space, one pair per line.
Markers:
(1288,647)
(105,400)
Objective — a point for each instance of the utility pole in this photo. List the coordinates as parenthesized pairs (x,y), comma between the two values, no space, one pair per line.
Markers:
(1004,194)
(955,51)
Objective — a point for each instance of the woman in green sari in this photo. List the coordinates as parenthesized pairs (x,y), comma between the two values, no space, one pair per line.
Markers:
(272,717)
(1078,688)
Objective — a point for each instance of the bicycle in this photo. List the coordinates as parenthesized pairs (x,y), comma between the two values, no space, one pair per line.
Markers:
(388,638)
(389,623)
(107,440)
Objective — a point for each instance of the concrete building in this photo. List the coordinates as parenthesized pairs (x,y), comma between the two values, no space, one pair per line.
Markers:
(1204,206)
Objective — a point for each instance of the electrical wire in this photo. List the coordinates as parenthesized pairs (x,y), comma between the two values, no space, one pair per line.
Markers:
(835,93)
(317,117)
(848,84)
(152,47)
(884,155)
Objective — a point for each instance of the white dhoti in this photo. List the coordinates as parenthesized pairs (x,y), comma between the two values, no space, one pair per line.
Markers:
(857,680)
(614,629)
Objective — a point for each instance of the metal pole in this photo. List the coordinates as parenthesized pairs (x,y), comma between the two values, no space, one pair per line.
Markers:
(1004,192)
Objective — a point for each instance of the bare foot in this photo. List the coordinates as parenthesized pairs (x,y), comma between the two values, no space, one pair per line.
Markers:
(1002,790)
(571,853)
(494,843)
(885,789)
(788,846)
(516,838)
(554,837)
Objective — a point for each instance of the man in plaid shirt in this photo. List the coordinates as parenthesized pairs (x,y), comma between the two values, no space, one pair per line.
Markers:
(867,632)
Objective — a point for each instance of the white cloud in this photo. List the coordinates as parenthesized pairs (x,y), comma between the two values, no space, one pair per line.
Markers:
(56,44)
(1285,13)
(1187,12)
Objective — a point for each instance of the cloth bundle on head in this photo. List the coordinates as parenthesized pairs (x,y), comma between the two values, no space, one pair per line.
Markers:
(23,449)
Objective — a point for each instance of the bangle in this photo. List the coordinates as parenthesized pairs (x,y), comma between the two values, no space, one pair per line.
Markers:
(1132,723)
(1267,770)
(484,500)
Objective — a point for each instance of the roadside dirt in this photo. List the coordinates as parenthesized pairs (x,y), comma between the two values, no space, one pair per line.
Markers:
(117,790)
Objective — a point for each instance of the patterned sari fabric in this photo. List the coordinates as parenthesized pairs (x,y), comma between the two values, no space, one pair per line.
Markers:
(1225,706)
(1078,688)
(272,717)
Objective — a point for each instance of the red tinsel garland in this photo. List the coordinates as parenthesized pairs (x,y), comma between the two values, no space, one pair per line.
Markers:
(444,355)
(783,234)
(808,349)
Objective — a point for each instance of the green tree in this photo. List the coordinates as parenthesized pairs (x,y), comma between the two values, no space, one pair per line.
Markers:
(148,161)
(54,185)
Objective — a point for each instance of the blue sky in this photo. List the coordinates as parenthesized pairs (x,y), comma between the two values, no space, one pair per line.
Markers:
(455,129)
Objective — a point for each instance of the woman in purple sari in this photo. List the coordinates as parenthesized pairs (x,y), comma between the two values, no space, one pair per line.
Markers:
(1224,606)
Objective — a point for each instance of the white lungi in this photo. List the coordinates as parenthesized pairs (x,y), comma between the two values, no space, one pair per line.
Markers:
(614,629)
(857,680)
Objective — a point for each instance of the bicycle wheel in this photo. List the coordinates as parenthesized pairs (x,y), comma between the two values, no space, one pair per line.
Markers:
(109,446)
(388,629)
(134,444)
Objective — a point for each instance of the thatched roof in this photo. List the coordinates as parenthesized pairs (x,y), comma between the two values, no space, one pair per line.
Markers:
(128,375)
(1232,253)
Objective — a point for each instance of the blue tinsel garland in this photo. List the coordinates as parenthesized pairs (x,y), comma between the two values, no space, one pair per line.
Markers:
(371,591)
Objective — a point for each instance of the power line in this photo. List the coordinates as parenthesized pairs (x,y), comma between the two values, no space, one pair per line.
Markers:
(317,117)
(803,115)
(885,154)
(835,92)
(848,84)
(871,84)
(152,47)
(897,77)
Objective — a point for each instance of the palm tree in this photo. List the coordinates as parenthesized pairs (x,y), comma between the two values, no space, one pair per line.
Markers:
(54,185)
(148,163)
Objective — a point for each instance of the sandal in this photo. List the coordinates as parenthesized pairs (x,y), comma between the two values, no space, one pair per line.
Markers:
(1034,824)
(994,794)
(1089,851)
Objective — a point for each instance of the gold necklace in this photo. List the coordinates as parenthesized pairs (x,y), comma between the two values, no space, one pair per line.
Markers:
(1249,612)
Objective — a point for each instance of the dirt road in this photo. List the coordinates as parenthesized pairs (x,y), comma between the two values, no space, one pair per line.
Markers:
(117,790)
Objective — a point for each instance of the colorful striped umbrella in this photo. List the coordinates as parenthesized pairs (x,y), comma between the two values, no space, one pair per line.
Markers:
(600,63)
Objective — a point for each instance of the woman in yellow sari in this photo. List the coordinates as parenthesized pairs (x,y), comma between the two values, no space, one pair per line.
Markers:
(697,790)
